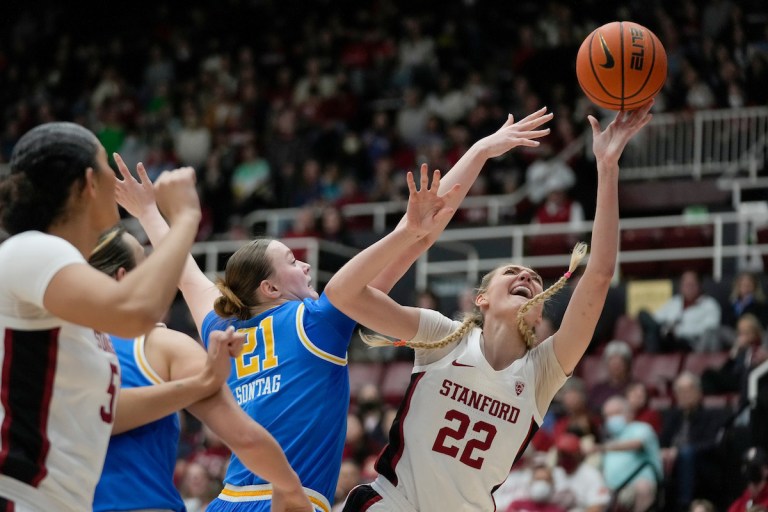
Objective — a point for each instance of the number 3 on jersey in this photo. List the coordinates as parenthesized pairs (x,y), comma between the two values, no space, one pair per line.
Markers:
(249,362)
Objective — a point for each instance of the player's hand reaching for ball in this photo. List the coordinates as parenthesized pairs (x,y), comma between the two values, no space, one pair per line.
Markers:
(610,143)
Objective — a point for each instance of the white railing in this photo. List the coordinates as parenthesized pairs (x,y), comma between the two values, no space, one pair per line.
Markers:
(277,221)
(212,256)
(461,260)
(468,268)
(704,143)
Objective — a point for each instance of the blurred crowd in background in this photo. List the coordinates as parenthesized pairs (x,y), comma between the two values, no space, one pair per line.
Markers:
(322,104)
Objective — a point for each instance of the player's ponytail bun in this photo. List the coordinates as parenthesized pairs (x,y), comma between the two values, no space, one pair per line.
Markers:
(229,305)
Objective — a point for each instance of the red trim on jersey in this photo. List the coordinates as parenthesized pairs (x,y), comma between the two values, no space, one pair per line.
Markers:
(7,505)
(531,432)
(28,373)
(5,391)
(391,454)
(368,504)
(45,403)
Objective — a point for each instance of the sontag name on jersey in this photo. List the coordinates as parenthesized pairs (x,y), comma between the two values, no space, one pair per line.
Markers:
(261,386)
(479,401)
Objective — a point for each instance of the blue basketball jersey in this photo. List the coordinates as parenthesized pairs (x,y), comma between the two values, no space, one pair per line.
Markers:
(138,470)
(292,378)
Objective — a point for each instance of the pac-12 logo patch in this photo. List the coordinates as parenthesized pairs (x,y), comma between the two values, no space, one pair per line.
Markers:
(519,387)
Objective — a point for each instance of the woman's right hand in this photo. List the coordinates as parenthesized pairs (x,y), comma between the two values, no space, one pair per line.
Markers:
(222,347)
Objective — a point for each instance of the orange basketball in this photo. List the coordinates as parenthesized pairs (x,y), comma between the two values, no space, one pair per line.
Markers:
(621,65)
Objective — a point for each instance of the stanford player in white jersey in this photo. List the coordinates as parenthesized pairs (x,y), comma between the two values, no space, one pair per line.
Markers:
(59,378)
(481,387)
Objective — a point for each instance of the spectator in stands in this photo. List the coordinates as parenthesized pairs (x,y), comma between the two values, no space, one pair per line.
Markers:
(371,411)
(747,353)
(631,456)
(747,296)
(702,506)
(578,418)
(755,471)
(349,477)
(251,181)
(639,401)
(688,440)
(689,320)
(540,493)
(354,441)
(515,487)
(303,226)
(617,357)
(196,487)
(579,486)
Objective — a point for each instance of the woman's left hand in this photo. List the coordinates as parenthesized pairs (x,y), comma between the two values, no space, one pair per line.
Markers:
(427,209)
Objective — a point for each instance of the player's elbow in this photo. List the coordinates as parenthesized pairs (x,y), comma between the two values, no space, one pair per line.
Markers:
(246,437)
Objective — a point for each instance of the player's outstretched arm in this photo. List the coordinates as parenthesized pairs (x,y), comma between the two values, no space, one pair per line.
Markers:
(588,298)
(255,447)
(138,199)
(350,288)
(204,375)
(461,177)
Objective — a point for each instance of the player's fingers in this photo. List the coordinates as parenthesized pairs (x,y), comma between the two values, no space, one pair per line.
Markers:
(424,177)
(121,167)
(411,183)
(436,180)
(142,172)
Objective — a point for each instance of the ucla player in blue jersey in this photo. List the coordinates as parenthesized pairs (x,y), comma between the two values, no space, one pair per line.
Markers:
(292,374)
(161,373)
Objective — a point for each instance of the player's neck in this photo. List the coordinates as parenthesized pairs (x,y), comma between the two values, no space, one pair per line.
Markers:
(502,344)
(77,231)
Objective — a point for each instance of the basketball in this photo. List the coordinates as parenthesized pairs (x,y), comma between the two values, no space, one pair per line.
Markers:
(621,65)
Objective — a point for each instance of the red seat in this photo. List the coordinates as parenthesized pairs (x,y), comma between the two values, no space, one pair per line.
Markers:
(639,240)
(361,374)
(541,245)
(397,376)
(628,329)
(688,236)
(697,362)
(656,371)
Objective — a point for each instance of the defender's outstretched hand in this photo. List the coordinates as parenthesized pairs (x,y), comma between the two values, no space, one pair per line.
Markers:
(427,209)
(513,134)
(137,197)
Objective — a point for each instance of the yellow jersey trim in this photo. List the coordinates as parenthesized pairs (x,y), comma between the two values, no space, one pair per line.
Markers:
(322,354)
(143,363)
(263,492)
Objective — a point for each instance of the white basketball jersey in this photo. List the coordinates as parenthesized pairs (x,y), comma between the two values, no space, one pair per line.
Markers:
(58,388)
(462,425)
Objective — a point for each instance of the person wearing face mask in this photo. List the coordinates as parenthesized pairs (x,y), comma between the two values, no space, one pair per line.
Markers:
(630,453)
(540,494)
(579,486)
(755,470)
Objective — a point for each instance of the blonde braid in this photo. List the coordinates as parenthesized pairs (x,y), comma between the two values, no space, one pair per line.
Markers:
(469,321)
(579,251)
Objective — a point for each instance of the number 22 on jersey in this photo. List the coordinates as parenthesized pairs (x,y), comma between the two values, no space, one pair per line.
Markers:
(249,362)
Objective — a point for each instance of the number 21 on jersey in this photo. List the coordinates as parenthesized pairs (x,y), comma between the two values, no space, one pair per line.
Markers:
(249,362)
